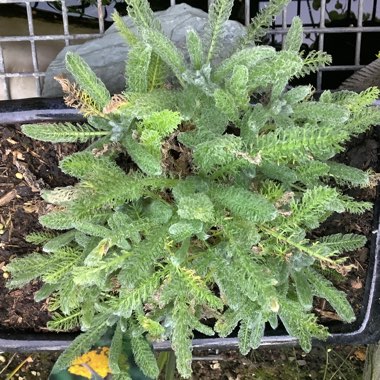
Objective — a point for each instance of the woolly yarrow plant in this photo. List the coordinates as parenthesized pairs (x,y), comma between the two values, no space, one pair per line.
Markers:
(207,225)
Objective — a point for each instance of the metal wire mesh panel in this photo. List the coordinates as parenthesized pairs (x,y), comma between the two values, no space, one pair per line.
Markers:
(362,19)
(14,41)
(339,31)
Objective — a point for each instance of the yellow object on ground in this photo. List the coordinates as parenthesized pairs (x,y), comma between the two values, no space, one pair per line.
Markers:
(97,360)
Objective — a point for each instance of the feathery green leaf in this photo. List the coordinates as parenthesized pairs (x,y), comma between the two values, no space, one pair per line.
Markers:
(62,132)
(294,37)
(219,13)
(87,80)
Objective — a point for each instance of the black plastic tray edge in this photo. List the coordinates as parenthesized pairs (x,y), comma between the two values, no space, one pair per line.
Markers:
(368,331)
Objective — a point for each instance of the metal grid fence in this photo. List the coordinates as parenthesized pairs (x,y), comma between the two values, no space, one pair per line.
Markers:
(280,28)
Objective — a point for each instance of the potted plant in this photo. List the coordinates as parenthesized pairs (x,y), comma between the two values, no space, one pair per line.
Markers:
(197,195)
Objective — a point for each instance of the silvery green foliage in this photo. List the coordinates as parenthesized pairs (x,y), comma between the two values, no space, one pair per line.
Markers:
(222,232)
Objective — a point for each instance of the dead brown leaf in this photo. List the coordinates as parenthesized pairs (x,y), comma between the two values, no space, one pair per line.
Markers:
(31,207)
(360,354)
(356,284)
(328,314)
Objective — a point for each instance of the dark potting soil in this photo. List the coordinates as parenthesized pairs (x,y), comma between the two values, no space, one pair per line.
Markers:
(27,166)
(287,363)
(362,153)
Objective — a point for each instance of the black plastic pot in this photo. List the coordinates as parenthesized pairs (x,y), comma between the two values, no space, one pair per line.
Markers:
(365,330)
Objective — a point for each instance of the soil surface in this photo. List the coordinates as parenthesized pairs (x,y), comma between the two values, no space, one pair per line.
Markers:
(342,362)
(27,166)
(362,153)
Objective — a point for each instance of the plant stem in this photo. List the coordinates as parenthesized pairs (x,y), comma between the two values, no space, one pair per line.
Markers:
(9,377)
(326,364)
(296,245)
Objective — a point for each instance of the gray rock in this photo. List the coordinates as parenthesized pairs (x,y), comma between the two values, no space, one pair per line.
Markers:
(107,55)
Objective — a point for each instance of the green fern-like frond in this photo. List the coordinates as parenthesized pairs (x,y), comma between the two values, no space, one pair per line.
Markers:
(84,165)
(219,13)
(157,126)
(124,30)
(343,242)
(295,144)
(297,94)
(59,241)
(157,73)
(199,197)
(69,298)
(347,175)
(149,163)
(355,102)
(116,349)
(366,98)
(280,173)
(244,203)
(238,86)
(181,337)
(62,132)
(227,322)
(195,48)
(198,206)
(184,229)
(324,113)
(144,356)
(294,37)
(39,237)
(36,264)
(353,206)
(226,103)
(311,172)
(133,299)
(45,291)
(57,220)
(362,120)
(313,62)
(78,164)
(141,106)
(250,333)
(303,289)
(316,204)
(144,258)
(300,324)
(152,327)
(244,338)
(263,20)
(220,156)
(64,322)
(137,68)
(87,80)
(248,57)
(275,73)
(167,51)
(337,299)
(61,262)
(141,14)
(198,289)
(202,328)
